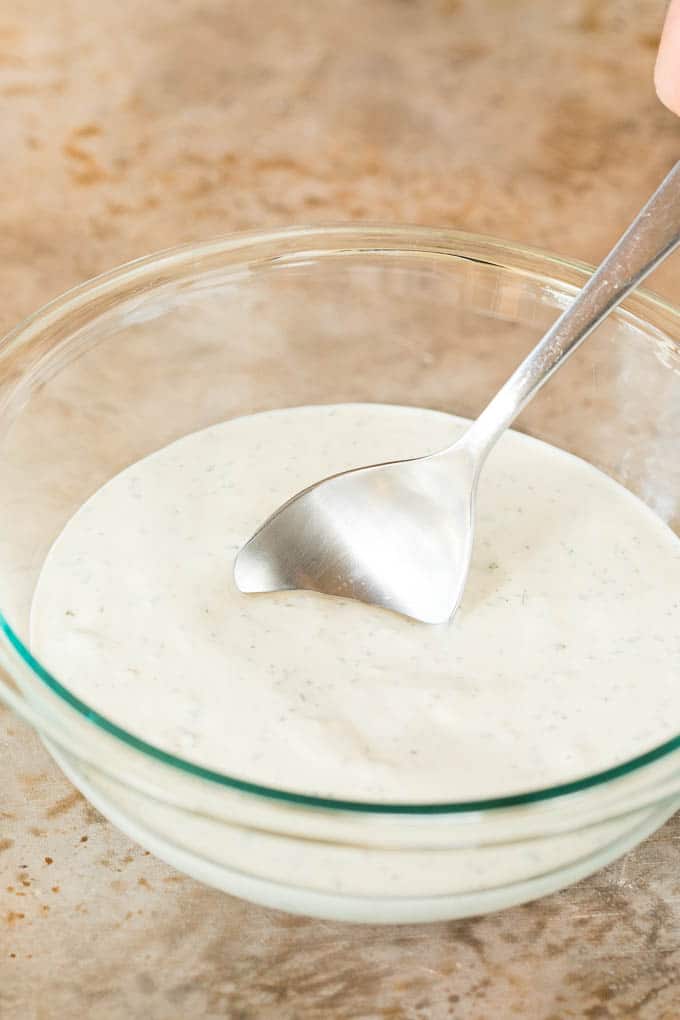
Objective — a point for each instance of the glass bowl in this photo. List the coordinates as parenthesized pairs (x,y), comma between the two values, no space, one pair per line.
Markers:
(167,345)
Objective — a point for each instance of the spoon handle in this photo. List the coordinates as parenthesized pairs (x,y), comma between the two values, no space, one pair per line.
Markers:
(652,236)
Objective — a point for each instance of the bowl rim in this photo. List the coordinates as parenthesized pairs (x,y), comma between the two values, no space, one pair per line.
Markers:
(371,238)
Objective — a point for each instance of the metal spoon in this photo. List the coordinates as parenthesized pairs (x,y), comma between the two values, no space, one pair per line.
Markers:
(399,535)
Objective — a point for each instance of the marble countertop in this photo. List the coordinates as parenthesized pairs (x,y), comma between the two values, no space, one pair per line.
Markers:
(128,128)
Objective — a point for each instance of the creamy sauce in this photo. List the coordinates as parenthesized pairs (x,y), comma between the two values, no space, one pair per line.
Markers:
(562,659)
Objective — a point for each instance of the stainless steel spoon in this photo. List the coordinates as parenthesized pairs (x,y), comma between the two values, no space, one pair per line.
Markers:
(399,535)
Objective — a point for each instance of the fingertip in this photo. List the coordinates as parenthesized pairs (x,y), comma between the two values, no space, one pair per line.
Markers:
(666,90)
(667,69)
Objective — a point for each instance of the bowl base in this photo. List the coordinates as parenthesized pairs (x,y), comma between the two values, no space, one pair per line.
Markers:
(357,909)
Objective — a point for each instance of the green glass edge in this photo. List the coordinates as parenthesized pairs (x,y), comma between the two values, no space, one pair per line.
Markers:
(368,807)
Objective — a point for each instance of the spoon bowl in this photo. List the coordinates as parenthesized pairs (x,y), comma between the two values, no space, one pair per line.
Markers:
(396,535)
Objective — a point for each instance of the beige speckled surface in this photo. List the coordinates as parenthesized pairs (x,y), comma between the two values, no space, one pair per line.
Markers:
(131,127)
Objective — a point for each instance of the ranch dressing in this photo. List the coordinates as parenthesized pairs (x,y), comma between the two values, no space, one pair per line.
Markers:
(561,661)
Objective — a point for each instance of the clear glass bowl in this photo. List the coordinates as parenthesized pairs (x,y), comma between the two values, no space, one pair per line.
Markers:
(134,359)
